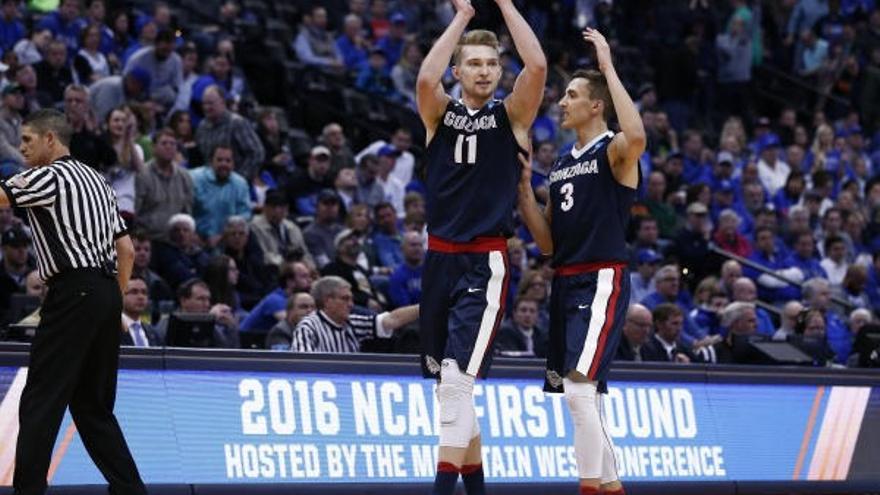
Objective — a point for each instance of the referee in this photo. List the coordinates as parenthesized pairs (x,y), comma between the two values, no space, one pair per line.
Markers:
(75,352)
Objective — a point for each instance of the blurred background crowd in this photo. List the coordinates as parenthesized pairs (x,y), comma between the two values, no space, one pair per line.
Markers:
(256,147)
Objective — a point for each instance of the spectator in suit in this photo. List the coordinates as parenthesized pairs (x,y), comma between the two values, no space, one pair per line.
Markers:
(520,335)
(636,333)
(741,322)
(194,296)
(664,345)
(279,238)
(280,336)
(158,290)
(134,302)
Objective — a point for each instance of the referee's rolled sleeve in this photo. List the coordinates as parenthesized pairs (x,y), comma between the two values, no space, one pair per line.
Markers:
(33,187)
(381,331)
(119,227)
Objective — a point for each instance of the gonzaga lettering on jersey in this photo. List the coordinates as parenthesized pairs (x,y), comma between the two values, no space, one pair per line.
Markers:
(472,174)
(590,208)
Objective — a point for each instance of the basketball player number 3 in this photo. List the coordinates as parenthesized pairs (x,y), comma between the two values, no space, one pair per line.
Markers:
(567,190)
(471,143)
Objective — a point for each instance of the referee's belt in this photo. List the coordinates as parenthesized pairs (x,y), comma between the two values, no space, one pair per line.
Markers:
(579,268)
(478,245)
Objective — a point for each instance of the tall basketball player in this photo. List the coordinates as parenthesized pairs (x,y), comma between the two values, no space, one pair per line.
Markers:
(472,178)
(583,226)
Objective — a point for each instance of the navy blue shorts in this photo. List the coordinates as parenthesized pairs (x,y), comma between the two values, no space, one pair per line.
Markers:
(587,311)
(464,287)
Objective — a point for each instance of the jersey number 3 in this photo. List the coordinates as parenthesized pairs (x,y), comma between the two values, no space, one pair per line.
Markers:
(567,190)
(466,146)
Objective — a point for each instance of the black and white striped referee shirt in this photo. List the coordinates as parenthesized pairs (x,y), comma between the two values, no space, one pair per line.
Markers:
(72,213)
(318,333)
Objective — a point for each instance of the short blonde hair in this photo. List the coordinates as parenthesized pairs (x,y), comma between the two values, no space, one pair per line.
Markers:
(479,37)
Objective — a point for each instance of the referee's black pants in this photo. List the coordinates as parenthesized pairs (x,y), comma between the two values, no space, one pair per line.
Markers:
(73,362)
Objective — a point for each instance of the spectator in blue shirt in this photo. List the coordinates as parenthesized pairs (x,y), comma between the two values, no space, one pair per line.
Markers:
(803,257)
(64,24)
(392,43)
(386,236)
(218,193)
(405,287)
(295,277)
(11,28)
(375,78)
(770,288)
(669,290)
(353,46)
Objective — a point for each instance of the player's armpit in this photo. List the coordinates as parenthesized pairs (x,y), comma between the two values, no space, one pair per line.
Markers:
(623,157)
(431,101)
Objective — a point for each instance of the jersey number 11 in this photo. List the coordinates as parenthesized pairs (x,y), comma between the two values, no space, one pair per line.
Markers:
(469,142)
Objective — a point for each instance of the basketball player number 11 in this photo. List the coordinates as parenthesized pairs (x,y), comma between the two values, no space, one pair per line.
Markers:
(471,143)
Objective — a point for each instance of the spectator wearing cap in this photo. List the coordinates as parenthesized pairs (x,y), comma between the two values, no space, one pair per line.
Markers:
(114,91)
(727,235)
(772,170)
(53,74)
(222,126)
(280,238)
(375,78)
(766,254)
(63,23)
(164,66)
(405,162)
(352,45)
(10,124)
(314,45)
(722,169)
(11,28)
(392,43)
(692,243)
(162,188)
(642,278)
(305,184)
(723,198)
(321,234)
(345,266)
(218,193)
(669,290)
(17,262)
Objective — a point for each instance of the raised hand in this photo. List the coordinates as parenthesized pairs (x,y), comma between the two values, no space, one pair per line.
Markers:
(603,51)
(464,7)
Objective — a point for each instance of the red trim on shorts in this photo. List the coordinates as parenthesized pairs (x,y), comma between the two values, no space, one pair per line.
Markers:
(609,322)
(579,268)
(470,468)
(478,245)
(446,467)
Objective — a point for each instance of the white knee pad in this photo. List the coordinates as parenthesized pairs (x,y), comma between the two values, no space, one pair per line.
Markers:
(589,441)
(455,394)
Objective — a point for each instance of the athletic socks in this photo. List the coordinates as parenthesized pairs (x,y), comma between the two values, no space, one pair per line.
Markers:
(446,479)
(474,483)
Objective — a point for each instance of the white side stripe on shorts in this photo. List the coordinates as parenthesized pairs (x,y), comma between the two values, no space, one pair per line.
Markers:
(604,287)
(490,314)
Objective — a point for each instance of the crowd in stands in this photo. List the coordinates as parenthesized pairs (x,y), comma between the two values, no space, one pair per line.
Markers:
(755,221)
